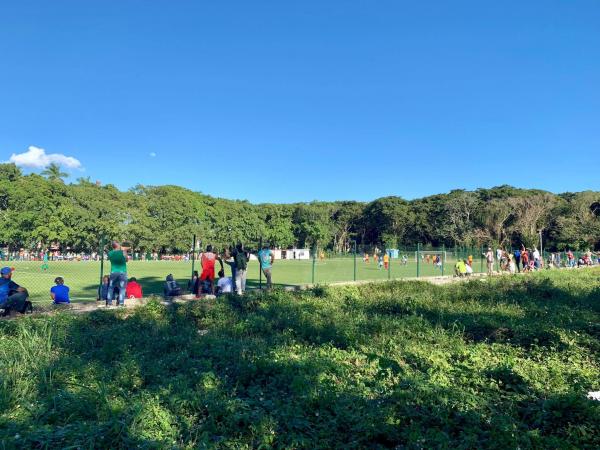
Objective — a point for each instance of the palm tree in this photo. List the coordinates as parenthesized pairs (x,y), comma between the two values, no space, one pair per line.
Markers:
(53,172)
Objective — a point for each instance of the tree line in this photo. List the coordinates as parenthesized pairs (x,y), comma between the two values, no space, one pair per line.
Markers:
(38,211)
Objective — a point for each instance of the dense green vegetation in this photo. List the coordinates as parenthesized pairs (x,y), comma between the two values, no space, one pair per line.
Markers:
(498,363)
(36,212)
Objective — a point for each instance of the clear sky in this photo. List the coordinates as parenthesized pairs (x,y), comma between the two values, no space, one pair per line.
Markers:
(286,101)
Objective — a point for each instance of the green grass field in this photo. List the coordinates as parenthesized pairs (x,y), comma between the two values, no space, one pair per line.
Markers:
(500,363)
(83,277)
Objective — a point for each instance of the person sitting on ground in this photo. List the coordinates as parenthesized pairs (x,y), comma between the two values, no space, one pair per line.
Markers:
(224,284)
(511,264)
(103,289)
(171,288)
(12,296)
(460,269)
(60,292)
(468,268)
(134,289)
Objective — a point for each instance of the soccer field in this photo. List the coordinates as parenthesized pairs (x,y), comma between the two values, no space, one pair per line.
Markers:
(83,276)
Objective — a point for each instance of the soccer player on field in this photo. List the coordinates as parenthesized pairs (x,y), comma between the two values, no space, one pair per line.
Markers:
(45,265)
(386,260)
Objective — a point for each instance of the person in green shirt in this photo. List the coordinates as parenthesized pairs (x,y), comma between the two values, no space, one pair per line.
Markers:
(118,273)
(460,268)
(45,265)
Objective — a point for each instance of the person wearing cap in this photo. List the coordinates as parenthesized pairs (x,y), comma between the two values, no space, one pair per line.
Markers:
(489,258)
(12,296)
(60,292)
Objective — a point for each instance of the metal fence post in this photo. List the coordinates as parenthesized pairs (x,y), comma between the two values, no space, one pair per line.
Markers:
(260,245)
(418,258)
(313,264)
(481,259)
(193,256)
(101,252)
(443,257)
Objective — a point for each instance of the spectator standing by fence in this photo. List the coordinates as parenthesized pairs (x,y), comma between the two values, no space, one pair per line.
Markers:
(240,259)
(489,259)
(266,258)
(118,273)
(208,259)
(518,259)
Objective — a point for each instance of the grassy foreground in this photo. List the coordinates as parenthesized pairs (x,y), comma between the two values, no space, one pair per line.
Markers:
(501,363)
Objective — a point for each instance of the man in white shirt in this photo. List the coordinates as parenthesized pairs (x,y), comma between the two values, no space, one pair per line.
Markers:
(224,285)
(536,258)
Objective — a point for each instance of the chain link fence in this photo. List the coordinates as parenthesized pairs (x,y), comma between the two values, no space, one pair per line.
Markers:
(36,271)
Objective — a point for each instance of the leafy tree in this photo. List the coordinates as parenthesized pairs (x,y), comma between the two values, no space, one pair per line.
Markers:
(54,173)
(312,225)
(9,172)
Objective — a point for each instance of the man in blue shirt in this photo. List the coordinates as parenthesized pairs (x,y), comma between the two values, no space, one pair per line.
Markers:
(60,292)
(266,258)
(12,296)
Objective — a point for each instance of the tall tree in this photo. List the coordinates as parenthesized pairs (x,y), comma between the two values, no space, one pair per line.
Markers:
(54,173)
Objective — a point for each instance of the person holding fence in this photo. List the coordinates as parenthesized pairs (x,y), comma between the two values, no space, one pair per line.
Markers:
(266,258)
(240,259)
(208,259)
(489,259)
(118,273)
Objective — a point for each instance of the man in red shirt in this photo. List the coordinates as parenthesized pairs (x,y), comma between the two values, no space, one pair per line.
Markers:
(208,259)
(134,289)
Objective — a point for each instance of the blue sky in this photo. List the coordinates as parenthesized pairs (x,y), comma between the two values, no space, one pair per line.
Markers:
(296,101)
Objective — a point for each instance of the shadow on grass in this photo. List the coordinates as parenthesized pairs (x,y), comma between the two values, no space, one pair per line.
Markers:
(275,371)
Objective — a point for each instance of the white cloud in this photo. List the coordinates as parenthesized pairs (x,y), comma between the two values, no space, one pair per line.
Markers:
(152,154)
(37,158)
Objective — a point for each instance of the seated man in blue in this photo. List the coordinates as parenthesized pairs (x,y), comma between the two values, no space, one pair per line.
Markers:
(60,292)
(12,296)
(171,288)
